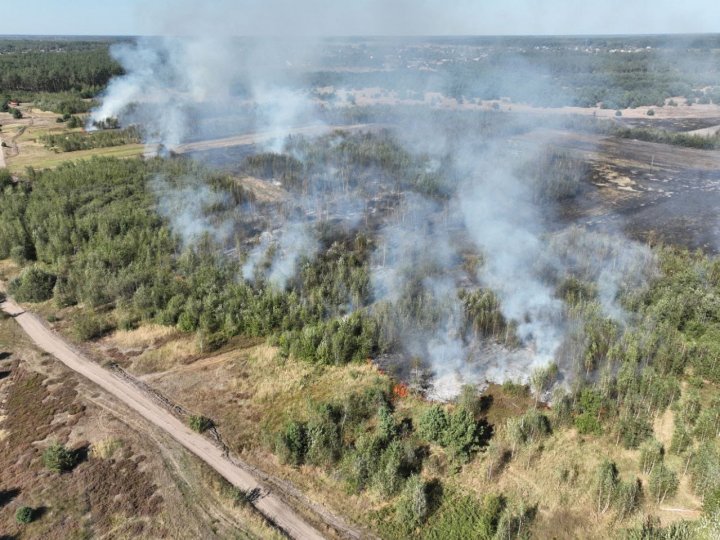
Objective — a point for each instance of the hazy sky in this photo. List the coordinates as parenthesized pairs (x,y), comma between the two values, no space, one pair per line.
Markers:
(358,17)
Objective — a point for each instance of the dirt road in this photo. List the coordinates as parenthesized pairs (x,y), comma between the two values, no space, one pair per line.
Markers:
(259,138)
(267,502)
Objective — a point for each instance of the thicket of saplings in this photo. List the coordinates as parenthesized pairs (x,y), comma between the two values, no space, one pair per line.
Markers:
(72,142)
(89,234)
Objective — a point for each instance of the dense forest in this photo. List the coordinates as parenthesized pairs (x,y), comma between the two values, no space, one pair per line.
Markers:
(55,66)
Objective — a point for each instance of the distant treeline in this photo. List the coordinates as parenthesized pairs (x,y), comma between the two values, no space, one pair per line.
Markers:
(551,77)
(81,68)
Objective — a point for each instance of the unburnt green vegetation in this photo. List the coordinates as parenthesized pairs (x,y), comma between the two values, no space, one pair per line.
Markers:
(71,142)
(55,66)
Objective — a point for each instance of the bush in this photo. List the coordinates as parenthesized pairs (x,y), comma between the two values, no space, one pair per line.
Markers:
(291,444)
(89,326)
(33,285)
(200,423)
(24,515)
(530,427)
(58,459)
(651,112)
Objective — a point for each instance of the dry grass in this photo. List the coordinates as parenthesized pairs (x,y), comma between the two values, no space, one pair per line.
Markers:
(8,270)
(142,337)
(105,448)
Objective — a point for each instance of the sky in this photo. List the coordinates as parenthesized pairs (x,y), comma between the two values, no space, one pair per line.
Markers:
(360,17)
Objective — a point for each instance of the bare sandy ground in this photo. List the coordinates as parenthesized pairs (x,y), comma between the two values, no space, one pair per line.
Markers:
(2,155)
(267,502)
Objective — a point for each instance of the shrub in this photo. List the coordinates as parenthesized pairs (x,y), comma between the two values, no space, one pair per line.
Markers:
(24,515)
(291,444)
(88,326)
(33,285)
(528,428)
(200,423)
(651,112)
(58,459)
(324,444)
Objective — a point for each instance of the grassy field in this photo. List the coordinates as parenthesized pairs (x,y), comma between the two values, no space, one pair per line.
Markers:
(24,148)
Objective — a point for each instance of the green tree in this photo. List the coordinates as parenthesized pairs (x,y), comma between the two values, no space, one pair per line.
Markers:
(292,443)
(58,459)
(24,515)
(412,506)
(33,285)
(606,484)
(200,423)
(663,483)
(651,455)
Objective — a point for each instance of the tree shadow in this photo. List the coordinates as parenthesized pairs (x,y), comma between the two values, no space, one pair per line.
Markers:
(487,430)
(485,402)
(4,374)
(39,512)
(4,355)
(80,455)
(8,495)
(434,492)
(8,537)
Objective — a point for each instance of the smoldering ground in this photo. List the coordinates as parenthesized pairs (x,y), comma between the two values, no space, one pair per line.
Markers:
(479,243)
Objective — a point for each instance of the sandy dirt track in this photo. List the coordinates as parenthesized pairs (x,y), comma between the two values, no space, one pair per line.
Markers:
(267,502)
(260,138)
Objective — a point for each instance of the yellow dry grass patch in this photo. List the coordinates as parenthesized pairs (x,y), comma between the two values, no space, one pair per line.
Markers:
(105,448)
(142,337)
(8,269)
(37,156)
(165,357)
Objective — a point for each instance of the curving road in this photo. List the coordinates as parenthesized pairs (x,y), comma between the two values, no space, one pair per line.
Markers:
(267,502)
